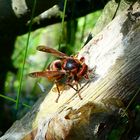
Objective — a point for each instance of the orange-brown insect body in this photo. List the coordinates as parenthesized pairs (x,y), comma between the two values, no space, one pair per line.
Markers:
(67,69)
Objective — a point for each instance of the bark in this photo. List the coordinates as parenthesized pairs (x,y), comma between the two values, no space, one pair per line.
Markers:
(115,54)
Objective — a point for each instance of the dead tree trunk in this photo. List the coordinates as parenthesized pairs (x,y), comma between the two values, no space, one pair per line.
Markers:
(115,54)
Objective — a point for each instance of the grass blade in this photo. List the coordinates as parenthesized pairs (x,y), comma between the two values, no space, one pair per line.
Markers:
(25,55)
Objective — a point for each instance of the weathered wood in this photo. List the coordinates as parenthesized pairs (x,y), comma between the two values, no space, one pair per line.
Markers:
(115,54)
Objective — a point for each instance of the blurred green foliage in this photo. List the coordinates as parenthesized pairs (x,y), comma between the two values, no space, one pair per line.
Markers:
(74,36)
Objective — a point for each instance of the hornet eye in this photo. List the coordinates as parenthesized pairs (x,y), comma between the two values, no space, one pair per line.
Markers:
(58,65)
